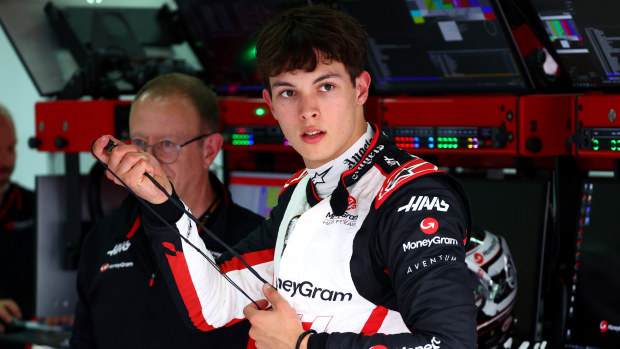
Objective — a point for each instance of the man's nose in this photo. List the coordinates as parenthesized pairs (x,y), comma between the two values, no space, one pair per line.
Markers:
(309,108)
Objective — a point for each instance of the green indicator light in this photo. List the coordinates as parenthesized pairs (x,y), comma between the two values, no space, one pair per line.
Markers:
(259,111)
(456,146)
(455,139)
(440,139)
(595,144)
(613,144)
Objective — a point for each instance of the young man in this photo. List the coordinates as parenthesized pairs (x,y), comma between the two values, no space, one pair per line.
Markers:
(124,302)
(365,246)
(17,210)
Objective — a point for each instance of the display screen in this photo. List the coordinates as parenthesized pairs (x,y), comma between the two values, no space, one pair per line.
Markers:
(438,46)
(594,295)
(257,191)
(516,210)
(585,36)
(223,35)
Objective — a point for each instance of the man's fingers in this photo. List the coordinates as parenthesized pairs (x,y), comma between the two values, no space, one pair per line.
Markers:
(99,148)
(272,295)
(250,309)
(8,309)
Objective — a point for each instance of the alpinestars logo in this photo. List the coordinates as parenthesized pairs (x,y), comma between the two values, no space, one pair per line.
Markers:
(437,240)
(118,248)
(307,289)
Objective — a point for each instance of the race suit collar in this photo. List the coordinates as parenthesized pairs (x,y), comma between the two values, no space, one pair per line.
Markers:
(366,159)
(325,178)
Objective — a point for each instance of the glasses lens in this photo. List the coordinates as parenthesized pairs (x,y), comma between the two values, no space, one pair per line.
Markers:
(139,143)
(167,152)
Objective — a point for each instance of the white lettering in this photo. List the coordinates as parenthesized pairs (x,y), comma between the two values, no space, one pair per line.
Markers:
(436,240)
(424,202)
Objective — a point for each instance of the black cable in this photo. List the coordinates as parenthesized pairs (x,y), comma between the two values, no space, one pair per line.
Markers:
(191,216)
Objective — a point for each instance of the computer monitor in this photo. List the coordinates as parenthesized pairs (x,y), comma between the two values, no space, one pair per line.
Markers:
(518,211)
(257,191)
(593,316)
(584,36)
(439,46)
(55,290)
(223,35)
(115,47)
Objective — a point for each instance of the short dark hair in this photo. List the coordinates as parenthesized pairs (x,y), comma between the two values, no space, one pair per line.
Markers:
(194,89)
(294,38)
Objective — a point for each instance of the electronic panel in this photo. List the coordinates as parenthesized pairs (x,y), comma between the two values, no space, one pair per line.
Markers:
(594,306)
(439,46)
(71,126)
(453,125)
(585,36)
(596,132)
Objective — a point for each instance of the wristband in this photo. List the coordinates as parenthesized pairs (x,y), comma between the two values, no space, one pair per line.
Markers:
(302,336)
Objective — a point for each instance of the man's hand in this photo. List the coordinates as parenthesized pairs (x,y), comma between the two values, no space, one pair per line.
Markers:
(276,328)
(8,310)
(130,164)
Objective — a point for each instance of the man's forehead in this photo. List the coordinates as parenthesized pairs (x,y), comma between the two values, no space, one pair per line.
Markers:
(321,72)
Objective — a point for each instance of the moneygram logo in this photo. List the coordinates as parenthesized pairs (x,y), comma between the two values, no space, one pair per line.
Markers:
(107,266)
(604,327)
(429,225)
(437,240)
(307,289)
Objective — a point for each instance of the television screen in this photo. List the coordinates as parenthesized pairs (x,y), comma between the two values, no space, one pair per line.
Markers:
(584,36)
(257,191)
(439,46)
(223,34)
(594,303)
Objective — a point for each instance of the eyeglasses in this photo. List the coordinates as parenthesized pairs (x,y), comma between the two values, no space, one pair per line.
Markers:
(165,151)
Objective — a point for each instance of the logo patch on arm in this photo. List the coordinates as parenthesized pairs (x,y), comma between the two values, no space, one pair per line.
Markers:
(407,172)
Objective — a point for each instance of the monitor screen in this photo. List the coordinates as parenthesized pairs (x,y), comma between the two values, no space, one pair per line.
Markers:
(594,302)
(54,60)
(223,35)
(585,38)
(257,191)
(439,46)
(56,293)
(516,210)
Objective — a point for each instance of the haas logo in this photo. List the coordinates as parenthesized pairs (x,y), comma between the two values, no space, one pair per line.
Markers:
(352,203)
(478,258)
(429,225)
(603,326)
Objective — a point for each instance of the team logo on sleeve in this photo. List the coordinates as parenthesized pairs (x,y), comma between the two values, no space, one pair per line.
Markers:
(429,225)
(419,203)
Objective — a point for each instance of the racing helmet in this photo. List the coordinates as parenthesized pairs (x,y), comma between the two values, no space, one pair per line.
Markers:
(493,277)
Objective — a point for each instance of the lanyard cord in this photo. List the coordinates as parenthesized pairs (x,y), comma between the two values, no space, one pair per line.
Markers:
(191,216)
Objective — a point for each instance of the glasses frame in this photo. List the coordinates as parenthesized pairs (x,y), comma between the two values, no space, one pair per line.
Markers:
(177,146)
